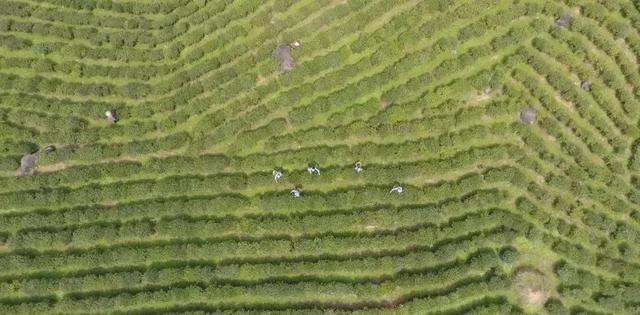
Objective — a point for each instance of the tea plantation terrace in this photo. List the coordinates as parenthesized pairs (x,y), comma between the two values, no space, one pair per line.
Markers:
(319,156)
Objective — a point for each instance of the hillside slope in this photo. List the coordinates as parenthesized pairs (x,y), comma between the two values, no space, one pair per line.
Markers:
(496,142)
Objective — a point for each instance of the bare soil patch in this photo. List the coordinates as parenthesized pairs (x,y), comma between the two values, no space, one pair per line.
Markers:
(384,104)
(261,80)
(52,167)
(371,228)
(480,96)
(533,287)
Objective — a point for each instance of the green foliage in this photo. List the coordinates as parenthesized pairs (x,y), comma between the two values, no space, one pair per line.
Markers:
(509,255)
(174,207)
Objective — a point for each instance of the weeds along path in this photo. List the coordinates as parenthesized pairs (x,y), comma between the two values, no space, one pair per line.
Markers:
(497,141)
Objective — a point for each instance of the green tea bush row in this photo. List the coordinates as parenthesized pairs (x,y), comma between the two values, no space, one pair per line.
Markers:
(599,39)
(227,93)
(371,129)
(554,124)
(213,17)
(615,25)
(114,150)
(578,174)
(264,250)
(327,269)
(98,234)
(582,50)
(475,259)
(291,97)
(122,49)
(139,210)
(226,35)
(130,7)
(370,152)
(610,121)
(449,104)
(95,193)
(204,164)
(92,69)
(42,122)
(207,228)
(485,297)
(177,228)
(627,270)
(117,39)
(556,224)
(195,242)
(577,254)
(40,84)
(40,65)
(398,68)
(10,163)
(90,135)
(611,201)
(570,90)
(63,107)
(181,15)
(13,147)
(334,292)
(621,234)
(210,65)
(326,136)
(71,17)
(323,134)
(560,162)
(221,182)
(597,174)
(181,12)
(587,288)
(446,68)
(65,34)
(598,222)
(12,42)
(616,116)
(221,205)
(11,131)
(317,107)
(212,164)
(631,14)
(572,276)
(386,173)
(604,195)
(288,78)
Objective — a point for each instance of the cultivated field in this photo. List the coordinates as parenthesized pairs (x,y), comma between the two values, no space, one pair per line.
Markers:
(498,143)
